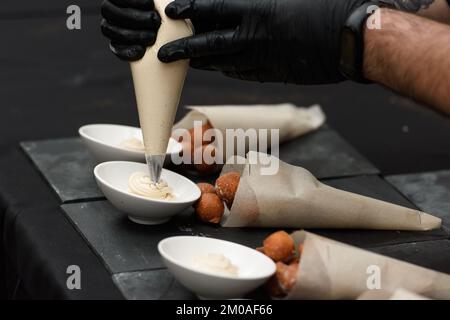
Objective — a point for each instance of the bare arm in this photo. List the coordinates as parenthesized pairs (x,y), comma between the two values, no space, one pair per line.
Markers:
(438,10)
(411,55)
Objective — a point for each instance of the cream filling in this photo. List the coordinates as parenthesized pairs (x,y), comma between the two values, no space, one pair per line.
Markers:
(133,144)
(140,183)
(216,263)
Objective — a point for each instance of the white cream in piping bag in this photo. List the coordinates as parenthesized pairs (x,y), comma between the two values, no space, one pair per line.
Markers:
(215,263)
(141,184)
(158,86)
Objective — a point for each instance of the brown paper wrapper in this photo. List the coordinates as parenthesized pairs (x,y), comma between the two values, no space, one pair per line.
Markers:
(294,198)
(292,121)
(398,294)
(332,270)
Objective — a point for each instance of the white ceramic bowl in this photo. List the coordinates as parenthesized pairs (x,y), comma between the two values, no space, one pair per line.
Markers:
(103,141)
(178,254)
(112,178)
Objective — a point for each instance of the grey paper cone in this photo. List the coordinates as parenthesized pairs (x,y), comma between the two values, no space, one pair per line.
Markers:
(294,198)
(332,270)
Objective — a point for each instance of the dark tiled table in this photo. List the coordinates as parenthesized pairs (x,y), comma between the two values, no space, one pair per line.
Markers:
(430,191)
(67,166)
(429,254)
(129,250)
(151,285)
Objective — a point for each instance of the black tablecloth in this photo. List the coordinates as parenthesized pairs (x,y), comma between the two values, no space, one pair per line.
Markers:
(56,80)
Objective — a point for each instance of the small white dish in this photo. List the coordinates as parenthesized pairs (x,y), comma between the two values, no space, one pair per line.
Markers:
(178,254)
(112,178)
(103,141)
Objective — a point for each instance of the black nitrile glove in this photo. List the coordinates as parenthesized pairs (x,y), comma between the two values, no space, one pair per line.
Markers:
(131,26)
(295,41)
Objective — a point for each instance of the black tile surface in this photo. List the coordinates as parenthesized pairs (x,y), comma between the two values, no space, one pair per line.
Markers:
(161,285)
(126,246)
(430,191)
(429,254)
(67,166)
(326,155)
(151,285)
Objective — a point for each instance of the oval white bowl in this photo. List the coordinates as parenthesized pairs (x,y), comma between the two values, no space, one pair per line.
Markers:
(103,141)
(178,254)
(112,178)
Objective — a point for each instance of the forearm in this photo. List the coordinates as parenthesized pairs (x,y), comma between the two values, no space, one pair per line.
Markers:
(438,10)
(411,55)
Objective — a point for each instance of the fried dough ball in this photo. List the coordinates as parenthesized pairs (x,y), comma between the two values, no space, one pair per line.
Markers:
(206,187)
(209,208)
(226,186)
(287,275)
(202,130)
(203,167)
(279,246)
(189,145)
(283,280)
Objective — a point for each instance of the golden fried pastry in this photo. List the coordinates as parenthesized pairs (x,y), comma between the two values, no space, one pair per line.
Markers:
(203,167)
(279,246)
(283,280)
(286,275)
(206,187)
(209,208)
(202,130)
(226,186)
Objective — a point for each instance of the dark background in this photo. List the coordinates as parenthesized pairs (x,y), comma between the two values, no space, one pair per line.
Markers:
(53,80)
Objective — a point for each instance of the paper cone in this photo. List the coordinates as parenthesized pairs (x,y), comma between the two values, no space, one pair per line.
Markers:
(292,121)
(294,198)
(158,85)
(332,270)
(398,294)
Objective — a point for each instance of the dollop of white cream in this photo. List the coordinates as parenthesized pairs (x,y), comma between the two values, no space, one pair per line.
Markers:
(216,263)
(140,183)
(133,144)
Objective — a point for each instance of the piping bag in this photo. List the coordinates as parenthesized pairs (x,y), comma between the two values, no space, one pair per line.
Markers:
(158,88)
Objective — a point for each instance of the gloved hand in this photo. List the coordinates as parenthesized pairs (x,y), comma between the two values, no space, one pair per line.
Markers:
(131,26)
(295,41)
